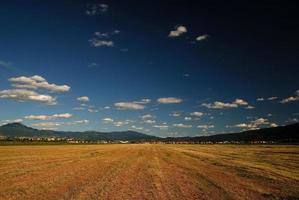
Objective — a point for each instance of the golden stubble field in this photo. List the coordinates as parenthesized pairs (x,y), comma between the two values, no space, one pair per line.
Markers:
(148,171)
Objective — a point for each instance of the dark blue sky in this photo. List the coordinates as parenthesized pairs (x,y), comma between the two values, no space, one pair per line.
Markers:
(159,67)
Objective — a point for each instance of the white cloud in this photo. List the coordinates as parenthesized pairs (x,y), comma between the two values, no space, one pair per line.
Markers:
(27,95)
(240,102)
(129,106)
(168,100)
(188,118)
(222,105)
(8,121)
(161,127)
(99,43)
(202,37)
(292,98)
(249,107)
(175,114)
(260,99)
(48,117)
(182,125)
(94,9)
(51,124)
(178,31)
(143,101)
(106,34)
(148,116)
(120,123)
(272,98)
(137,128)
(253,125)
(205,126)
(197,114)
(149,121)
(83,99)
(37,82)
(273,125)
(107,120)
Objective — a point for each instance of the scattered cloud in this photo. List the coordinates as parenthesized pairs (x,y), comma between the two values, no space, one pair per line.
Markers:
(95,42)
(253,125)
(83,99)
(161,127)
(222,105)
(107,120)
(260,99)
(93,64)
(179,30)
(51,124)
(27,95)
(188,118)
(202,37)
(249,107)
(143,101)
(137,128)
(197,114)
(292,98)
(8,121)
(37,82)
(272,98)
(205,126)
(106,34)
(182,125)
(94,9)
(129,106)
(273,125)
(175,114)
(168,100)
(48,117)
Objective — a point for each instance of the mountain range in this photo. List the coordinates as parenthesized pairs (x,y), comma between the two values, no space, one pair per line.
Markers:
(288,133)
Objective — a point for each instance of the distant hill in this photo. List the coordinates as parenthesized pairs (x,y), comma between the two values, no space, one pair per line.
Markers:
(289,133)
(20,130)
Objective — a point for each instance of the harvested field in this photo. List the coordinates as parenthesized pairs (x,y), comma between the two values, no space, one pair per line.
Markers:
(146,171)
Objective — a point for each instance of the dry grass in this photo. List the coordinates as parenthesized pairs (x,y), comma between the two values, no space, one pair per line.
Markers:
(149,172)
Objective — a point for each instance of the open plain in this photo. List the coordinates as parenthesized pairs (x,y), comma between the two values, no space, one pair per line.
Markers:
(148,171)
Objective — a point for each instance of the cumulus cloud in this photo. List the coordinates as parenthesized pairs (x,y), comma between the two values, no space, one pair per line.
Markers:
(48,117)
(148,116)
(260,99)
(202,37)
(182,125)
(83,99)
(129,106)
(168,100)
(37,82)
(94,9)
(253,125)
(197,114)
(291,98)
(222,105)
(27,95)
(179,30)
